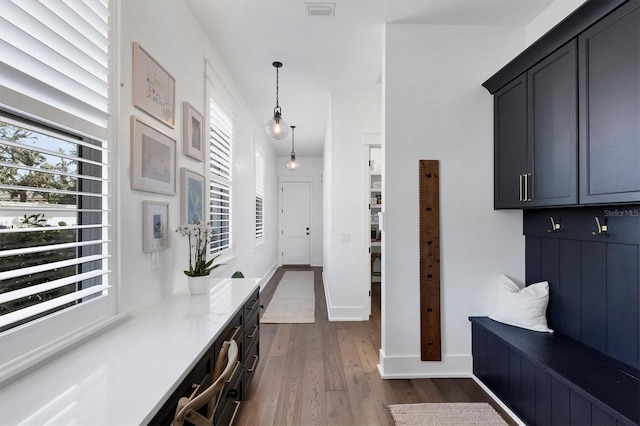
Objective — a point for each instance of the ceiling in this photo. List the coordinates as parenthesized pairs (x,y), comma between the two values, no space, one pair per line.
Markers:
(325,54)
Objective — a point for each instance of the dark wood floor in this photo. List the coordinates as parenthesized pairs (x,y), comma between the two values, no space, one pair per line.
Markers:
(326,373)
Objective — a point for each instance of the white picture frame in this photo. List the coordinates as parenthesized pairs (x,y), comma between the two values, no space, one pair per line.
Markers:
(193,140)
(155,226)
(153,159)
(192,197)
(153,87)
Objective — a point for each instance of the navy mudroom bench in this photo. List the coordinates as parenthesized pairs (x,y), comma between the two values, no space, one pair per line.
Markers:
(549,379)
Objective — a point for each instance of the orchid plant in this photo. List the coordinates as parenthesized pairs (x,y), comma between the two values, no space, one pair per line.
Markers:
(198,234)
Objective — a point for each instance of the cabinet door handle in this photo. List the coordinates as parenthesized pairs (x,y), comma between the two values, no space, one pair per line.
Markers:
(526,187)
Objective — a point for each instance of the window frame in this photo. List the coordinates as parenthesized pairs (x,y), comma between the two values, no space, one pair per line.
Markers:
(259,168)
(30,344)
(216,179)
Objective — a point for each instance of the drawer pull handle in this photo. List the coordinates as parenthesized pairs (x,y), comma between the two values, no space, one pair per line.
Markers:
(255,330)
(235,333)
(235,412)
(233,374)
(252,307)
(232,393)
(255,362)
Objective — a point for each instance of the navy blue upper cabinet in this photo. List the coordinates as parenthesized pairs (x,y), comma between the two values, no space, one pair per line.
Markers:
(567,127)
(552,86)
(609,72)
(510,144)
(535,135)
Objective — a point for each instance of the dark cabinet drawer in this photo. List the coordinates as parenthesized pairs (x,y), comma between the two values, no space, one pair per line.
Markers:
(230,398)
(251,306)
(185,388)
(232,331)
(251,363)
(251,333)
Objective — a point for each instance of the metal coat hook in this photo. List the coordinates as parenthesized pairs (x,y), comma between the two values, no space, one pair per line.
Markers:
(554,226)
(601,228)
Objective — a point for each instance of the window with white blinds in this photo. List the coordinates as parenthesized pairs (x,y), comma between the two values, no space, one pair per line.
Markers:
(220,178)
(52,227)
(54,176)
(259,170)
(55,61)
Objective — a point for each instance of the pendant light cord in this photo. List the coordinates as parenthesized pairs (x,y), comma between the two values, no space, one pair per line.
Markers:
(277,86)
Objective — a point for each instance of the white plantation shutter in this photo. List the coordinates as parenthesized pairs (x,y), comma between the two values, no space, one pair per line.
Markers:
(54,61)
(259,170)
(54,177)
(53,221)
(221,177)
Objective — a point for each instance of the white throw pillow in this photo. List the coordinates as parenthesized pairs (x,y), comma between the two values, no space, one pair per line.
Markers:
(524,307)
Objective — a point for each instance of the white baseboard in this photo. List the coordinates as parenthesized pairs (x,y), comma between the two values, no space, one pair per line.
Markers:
(267,276)
(340,313)
(412,367)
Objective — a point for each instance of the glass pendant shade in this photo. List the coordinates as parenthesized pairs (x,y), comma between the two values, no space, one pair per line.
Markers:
(293,164)
(277,129)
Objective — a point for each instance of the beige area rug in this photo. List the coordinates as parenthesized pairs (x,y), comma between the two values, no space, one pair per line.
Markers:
(444,414)
(293,300)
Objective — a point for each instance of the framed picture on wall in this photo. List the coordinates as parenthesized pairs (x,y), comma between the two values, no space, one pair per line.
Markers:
(153,159)
(155,226)
(192,197)
(192,132)
(153,87)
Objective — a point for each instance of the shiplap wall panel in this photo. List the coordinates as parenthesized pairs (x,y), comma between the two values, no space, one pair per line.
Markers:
(594,292)
(594,289)
(570,289)
(622,307)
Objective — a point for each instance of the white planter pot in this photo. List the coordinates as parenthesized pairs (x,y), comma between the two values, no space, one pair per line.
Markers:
(199,285)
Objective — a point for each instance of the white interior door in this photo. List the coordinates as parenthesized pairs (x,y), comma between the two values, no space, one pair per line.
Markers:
(296,223)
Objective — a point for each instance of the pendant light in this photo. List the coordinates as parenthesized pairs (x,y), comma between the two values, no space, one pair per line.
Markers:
(293,164)
(276,127)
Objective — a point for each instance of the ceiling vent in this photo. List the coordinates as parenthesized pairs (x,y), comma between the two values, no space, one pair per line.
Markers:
(320,9)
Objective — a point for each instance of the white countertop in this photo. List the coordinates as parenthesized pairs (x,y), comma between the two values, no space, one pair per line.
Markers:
(123,376)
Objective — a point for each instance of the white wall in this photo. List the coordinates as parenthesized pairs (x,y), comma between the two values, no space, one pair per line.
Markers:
(310,170)
(169,33)
(351,115)
(435,108)
(549,18)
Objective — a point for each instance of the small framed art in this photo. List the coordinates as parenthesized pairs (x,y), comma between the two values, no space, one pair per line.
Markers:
(192,132)
(192,197)
(153,159)
(153,87)
(155,226)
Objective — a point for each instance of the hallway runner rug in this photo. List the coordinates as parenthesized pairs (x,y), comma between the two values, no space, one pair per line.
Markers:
(446,414)
(293,300)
